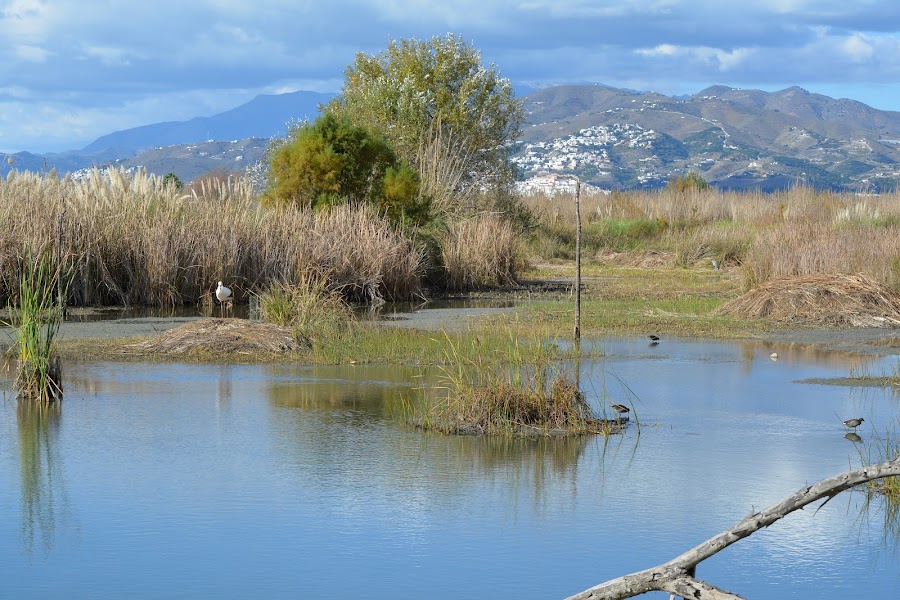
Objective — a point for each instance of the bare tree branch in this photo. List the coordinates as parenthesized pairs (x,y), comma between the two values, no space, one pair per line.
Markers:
(688,587)
(674,576)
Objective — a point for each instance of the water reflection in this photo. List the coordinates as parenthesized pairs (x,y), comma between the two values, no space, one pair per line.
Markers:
(799,354)
(44,498)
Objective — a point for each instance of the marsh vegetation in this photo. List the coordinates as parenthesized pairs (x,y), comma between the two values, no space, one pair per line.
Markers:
(35,315)
(529,394)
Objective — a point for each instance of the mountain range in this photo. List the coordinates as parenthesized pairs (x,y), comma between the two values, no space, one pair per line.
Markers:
(611,138)
(187,148)
(734,138)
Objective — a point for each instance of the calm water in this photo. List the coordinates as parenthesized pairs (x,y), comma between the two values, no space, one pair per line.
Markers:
(186,481)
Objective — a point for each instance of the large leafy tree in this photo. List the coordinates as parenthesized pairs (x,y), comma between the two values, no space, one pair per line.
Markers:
(332,160)
(436,102)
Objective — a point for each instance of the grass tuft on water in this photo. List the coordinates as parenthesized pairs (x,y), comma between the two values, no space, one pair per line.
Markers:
(36,318)
(889,487)
(526,398)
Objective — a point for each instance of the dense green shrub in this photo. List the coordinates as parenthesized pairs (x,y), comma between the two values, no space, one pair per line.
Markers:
(332,161)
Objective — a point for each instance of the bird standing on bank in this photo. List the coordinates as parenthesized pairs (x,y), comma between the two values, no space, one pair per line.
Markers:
(853,423)
(223,294)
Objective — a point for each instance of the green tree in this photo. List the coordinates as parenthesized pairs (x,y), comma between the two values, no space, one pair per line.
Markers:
(172,178)
(422,93)
(332,160)
(691,181)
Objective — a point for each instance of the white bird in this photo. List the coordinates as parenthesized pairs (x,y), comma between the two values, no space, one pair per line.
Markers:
(223,294)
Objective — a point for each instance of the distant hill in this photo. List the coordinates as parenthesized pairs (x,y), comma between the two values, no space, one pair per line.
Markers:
(264,116)
(189,161)
(735,138)
(261,118)
(612,138)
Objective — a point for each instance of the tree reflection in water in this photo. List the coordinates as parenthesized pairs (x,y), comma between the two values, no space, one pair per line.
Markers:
(44,500)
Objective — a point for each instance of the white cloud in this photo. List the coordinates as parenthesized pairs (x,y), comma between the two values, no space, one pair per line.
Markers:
(109,56)
(722,60)
(857,48)
(661,50)
(34,54)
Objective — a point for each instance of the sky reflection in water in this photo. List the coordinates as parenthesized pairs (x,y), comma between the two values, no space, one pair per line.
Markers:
(258,481)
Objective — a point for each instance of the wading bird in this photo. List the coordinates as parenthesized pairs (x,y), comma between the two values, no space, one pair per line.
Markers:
(223,294)
(621,409)
(853,423)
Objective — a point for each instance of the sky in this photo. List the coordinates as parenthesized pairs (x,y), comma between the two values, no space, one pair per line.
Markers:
(73,70)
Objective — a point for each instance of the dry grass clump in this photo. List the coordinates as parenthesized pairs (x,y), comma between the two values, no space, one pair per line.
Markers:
(854,300)
(480,252)
(223,337)
(141,242)
(311,307)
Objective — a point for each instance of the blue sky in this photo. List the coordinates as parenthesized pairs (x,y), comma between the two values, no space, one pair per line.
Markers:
(73,70)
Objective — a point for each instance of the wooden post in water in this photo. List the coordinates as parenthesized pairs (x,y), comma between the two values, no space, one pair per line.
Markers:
(578,262)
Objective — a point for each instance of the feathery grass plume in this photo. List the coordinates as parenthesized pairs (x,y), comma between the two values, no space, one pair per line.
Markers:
(141,242)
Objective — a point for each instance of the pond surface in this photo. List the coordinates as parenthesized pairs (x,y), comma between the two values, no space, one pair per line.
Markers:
(192,481)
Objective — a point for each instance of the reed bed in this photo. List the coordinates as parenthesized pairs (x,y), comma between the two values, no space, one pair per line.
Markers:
(139,242)
(796,232)
(807,248)
(480,252)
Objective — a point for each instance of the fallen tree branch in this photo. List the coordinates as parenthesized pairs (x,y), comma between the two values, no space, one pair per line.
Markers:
(675,576)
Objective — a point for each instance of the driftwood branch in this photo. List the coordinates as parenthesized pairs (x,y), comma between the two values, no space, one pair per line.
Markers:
(675,576)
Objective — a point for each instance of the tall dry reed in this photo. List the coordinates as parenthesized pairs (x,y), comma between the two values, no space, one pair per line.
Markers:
(800,231)
(480,252)
(141,242)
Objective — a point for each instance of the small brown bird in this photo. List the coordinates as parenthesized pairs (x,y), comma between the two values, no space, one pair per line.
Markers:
(853,423)
(621,409)
(653,338)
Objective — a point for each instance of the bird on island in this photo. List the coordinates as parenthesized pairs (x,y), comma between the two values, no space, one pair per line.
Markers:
(853,423)
(621,409)
(223,294)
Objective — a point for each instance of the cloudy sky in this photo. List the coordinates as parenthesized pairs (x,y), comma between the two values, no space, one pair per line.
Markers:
(72,70)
